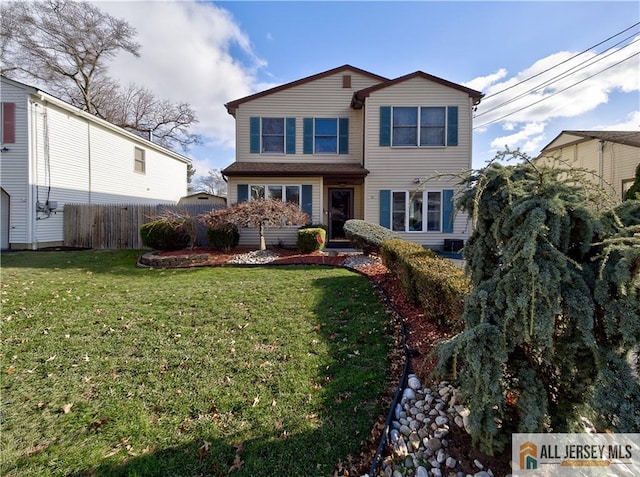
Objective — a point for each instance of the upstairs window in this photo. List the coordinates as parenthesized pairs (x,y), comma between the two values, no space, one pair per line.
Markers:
(325,136)
(424,126)
(273,135)
(432,126)
(8,122)
(139,163)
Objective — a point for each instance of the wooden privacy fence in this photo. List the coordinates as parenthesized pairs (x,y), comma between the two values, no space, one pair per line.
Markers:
(117,226)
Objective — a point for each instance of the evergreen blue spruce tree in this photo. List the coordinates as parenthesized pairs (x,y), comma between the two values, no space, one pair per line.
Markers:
(553,318)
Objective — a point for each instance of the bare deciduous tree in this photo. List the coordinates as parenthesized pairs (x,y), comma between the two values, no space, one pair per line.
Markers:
(64,47)
(257,213)
(212,183)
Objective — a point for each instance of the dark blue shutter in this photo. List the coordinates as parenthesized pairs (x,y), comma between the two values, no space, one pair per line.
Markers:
(243,192)
(307,135)
(385,125)
(343,146)
(307,200)
(452,125)
(291,135)
(254,135)
(385,208)
(447,211)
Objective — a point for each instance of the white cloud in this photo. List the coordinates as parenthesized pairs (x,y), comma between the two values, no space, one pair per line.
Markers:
(528,139)
(192,52)
(555,87)
(632,123)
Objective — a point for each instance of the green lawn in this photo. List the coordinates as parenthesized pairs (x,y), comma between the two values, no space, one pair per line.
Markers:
(112,370)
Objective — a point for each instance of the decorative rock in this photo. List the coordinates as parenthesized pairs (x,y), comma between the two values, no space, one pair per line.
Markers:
(482,473)
(398,411)
(414,383)
(421,472)
(414,440)
(408,394)
(441,421)
(451,462)
(459,422)
(433,444)
(478,464)
(441,456)
(406,431)
(397,473)
(436,472)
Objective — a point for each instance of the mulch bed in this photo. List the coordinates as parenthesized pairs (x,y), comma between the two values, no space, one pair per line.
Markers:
(422,335)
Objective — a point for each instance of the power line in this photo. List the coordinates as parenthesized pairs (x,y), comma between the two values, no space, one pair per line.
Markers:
(563,75)
(568,59)
(557,92)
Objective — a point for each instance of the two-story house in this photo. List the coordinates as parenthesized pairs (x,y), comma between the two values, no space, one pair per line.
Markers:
(612,156)
(53,153)
(347,143)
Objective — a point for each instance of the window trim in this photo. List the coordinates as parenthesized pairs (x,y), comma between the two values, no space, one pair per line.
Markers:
(284,135)
(283,188)
(408,194)
(142,169)
(418,128)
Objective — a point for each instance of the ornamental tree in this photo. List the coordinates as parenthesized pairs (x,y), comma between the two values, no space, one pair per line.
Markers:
(257,213)
(553,319)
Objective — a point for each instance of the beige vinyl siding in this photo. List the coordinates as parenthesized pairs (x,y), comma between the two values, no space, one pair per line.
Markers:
(397,168)
(613,164)
(274,236)
(322,98)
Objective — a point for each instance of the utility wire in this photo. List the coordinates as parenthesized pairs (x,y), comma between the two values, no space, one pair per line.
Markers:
(593,60)
(557,92)
(568,59)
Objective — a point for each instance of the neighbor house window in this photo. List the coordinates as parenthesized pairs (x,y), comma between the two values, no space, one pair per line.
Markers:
(285,193)
(8,123)
(408,211)
(413,126)
(139,161)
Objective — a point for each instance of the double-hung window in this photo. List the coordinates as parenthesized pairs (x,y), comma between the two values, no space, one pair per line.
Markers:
(416,211)
(139,162)
(419,126)
(325,139)
(273,135)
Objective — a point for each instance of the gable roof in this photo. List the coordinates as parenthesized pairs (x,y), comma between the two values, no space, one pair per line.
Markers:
(359,96)
(628,138)
(233,105)
(48,98)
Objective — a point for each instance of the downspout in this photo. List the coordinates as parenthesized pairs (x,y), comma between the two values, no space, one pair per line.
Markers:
(89,159)
(601,162)
(32,165)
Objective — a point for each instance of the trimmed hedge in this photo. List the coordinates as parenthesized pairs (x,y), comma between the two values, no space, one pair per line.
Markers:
(162,235)
(367,236)
(224,236)
(311,239)
(434,283)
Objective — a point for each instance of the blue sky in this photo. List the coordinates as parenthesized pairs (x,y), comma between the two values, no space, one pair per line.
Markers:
(209,53)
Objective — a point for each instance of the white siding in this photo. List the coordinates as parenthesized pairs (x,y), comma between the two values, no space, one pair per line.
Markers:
(397,168)
(321,98)
(62,155)
(14,170)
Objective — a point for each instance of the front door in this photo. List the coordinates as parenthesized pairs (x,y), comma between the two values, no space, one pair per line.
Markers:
(340,210)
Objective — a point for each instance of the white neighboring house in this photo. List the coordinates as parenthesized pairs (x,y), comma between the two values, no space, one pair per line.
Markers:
(52,153)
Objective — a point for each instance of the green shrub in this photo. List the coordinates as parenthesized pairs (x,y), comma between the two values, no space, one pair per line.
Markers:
(432,282)
(311,239)
(161,234)
(367,236)
(223,236)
